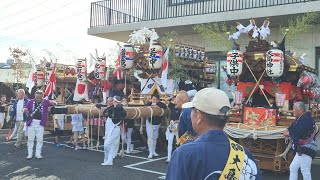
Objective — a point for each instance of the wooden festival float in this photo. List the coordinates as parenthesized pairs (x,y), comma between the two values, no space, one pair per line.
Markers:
(261,72)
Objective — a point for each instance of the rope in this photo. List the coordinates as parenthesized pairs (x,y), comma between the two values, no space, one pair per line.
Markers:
(88,129)
(77,109)
(90,112)
(136,113)
(255,133)
(122,141)
(98,138)
(150,139)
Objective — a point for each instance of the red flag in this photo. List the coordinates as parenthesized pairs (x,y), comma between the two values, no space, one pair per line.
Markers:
(52,82)
(118,72)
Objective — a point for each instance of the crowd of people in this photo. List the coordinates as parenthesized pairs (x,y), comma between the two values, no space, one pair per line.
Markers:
(206,153)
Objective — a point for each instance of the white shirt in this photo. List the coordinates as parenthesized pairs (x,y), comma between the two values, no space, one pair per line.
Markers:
(59,118)
(19,113)
(77,122)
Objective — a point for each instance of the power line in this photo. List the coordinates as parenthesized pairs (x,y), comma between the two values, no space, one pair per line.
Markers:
(19,12)
(44,25)
(31,19)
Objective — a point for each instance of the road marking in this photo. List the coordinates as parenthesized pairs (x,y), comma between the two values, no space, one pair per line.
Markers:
(145,170)
(131,166)
(162,177)
(144,162)
(97,150)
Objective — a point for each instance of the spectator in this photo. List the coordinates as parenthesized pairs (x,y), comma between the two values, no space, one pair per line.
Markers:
(18,117)
(210,156)
(78,130)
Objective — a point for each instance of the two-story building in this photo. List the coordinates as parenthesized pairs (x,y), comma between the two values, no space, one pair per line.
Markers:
(116,19)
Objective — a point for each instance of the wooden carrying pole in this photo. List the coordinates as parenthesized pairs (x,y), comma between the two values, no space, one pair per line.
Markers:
(132,112)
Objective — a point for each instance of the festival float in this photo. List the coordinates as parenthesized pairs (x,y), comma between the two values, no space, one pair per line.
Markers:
(265,71)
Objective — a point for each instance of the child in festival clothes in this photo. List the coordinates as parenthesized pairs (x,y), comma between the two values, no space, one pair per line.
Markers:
(58,127)
(153,125)
(77,129)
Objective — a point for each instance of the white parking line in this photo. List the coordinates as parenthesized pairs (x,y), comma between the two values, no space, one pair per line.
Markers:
(145,170)
(144,162)
(97,150)
(131,166)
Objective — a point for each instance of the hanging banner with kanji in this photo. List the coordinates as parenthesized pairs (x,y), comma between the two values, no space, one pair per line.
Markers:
(259,116)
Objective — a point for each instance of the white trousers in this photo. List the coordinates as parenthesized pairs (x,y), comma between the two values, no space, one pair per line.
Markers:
(304,163)
(126,137)
(2,118)
(35,130)
(110,143)
(170,138)
(14,132)
(152,133)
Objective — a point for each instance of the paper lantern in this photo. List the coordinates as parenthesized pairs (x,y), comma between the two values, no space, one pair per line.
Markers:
(126,56)
(177,50)
(238,96)
(155,55)
(234,62)
(38,78)
(182,51)
(81,71)
(99,69)
(274,63)
(280,98)
(195,54)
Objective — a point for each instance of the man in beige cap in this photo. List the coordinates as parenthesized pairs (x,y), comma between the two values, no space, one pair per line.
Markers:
(213,155)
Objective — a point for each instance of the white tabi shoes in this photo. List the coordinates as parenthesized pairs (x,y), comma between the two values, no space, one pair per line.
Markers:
(107,164)
(39,157)
(29,157)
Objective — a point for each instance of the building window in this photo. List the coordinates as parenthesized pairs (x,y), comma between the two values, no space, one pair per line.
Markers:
(318,59)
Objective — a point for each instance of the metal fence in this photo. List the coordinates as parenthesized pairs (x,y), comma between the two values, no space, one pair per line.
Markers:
(113,12)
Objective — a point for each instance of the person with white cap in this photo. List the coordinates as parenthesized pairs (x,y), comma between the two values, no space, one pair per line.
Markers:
(115,115)
(213,155)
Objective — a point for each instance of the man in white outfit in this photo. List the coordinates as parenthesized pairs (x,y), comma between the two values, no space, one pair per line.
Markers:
(302,133)
(37,111)
(18,116)
(115,114)
(153,125)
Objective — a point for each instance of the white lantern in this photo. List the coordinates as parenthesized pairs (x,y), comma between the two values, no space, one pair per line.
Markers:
(126,56)
(39,78)
(155,56)
(99,69)
(234,62)
(81,71)
(274,63)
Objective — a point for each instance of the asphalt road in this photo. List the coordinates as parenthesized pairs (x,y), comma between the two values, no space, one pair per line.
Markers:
(66,163)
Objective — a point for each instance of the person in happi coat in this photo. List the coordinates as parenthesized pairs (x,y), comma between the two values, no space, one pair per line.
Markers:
(37,112)
(213,155)
(115,115)
(175,112)
(153,124)
(302,133)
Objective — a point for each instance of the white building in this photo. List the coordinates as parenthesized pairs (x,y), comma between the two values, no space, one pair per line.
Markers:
(116,19)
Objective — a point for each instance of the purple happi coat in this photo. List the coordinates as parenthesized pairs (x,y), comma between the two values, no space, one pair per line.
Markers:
(44,112)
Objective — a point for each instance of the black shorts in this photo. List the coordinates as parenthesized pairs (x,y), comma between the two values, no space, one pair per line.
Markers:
(58,132)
